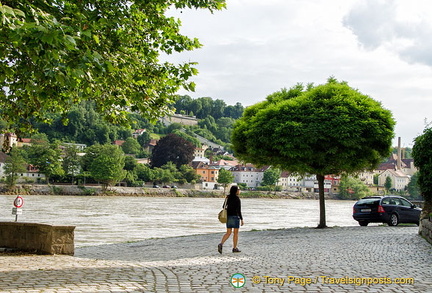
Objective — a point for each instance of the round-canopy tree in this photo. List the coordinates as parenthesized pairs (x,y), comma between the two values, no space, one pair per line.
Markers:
(325,129)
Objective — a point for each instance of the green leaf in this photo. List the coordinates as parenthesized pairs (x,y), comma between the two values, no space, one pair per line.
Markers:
(96,39)
(70,42)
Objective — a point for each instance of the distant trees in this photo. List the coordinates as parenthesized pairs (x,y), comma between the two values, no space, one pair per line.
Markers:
(325,129)
(352,188)
(86,126)
(169,173)
(144,139)
(388,184)
(271,177)
(105,164)
(131,146)
(413,187)
(216,118)
(14,165)
(220,128)
(205,107)
(190,138)
(71,162)
(46,157)
(188,174)
(225,178)
(172,148)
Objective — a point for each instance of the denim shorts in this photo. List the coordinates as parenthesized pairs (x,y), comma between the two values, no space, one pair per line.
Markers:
(233,222)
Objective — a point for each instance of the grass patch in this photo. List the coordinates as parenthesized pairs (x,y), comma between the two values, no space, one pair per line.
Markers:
(260,194)
(56,190)
(87,191)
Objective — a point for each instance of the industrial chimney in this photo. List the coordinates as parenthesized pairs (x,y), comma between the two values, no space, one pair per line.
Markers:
(399,155)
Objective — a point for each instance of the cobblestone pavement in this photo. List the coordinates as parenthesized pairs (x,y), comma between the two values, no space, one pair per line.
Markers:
(391,259)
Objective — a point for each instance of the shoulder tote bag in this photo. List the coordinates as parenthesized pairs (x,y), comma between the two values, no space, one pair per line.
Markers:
(223,216)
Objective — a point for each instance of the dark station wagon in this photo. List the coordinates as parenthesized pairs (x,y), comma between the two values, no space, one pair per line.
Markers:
(385,209)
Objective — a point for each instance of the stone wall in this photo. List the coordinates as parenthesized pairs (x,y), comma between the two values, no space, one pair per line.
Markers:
(182,191)
(44,189)
(425,229)
(37,238)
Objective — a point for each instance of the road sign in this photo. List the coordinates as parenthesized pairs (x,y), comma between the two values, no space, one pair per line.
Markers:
(18,202)
(16,211)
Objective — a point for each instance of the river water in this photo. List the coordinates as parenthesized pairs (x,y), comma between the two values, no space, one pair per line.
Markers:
(113,219)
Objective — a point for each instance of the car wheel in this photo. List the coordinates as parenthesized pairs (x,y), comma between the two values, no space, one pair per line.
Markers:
(394,220)
(363,223)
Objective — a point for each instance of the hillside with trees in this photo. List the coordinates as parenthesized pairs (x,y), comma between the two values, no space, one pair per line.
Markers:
(84,125)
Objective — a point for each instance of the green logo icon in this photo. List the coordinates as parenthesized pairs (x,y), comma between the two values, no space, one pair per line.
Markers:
(238,280)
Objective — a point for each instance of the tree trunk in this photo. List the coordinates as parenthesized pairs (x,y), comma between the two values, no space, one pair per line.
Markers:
(322,223)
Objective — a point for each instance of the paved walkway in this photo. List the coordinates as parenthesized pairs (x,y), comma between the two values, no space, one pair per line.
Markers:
(389,259)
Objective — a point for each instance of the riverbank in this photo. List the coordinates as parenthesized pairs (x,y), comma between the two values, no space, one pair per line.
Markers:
(96,190)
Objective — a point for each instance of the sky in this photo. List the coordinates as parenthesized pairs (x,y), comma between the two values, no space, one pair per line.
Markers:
(254,48)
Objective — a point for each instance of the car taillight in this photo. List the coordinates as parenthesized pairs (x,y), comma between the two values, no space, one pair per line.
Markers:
(381,209)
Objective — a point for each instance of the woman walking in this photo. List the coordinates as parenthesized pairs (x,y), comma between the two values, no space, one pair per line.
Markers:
(235,218)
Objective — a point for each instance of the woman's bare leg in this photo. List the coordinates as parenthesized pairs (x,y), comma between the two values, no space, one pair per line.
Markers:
(235,237)
(226,235)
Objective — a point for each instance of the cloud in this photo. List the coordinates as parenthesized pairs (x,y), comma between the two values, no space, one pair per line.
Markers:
(395,26)
(256,47)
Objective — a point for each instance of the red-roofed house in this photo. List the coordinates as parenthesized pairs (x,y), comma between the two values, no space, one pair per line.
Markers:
(118,142)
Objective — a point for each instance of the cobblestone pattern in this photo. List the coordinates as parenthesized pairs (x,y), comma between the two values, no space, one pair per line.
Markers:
(192,264)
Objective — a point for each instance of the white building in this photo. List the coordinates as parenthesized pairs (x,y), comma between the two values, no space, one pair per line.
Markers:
(366,177)
(30,176)
(398,178)
(200,152)
(290,181)
(248,175)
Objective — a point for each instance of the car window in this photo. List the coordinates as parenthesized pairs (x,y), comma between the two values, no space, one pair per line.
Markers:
(390,201)
(405,203)
(368,201)
(396,201)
